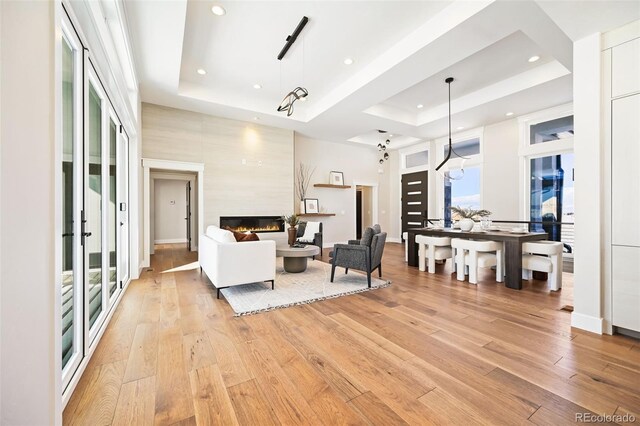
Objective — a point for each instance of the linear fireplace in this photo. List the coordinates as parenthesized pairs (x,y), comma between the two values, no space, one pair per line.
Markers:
(253,223)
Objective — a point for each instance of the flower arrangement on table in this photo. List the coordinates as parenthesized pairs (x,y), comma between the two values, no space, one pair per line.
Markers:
(467,216)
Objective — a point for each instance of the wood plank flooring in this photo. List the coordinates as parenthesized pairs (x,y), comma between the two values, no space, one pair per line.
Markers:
(426,350)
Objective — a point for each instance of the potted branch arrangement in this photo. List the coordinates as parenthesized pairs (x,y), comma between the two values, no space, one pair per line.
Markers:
(292,221)
(303,178)
(467,216)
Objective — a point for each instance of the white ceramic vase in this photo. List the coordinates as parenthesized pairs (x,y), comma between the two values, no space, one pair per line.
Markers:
(302,207)
(466,224)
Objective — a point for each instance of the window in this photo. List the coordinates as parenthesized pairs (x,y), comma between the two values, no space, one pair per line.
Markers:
(553,130)
(551,196)
(420,158)
(462,193)
(465,148)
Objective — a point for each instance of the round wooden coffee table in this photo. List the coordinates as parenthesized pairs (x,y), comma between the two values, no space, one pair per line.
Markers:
(295,259)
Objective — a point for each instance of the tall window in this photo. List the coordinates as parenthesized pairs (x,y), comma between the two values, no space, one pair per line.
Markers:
(549,159)
(462,193)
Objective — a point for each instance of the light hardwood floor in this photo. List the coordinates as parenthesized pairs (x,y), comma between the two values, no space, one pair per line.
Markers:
(426,350)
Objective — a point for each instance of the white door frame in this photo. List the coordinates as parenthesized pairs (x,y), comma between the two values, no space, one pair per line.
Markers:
(374,200)
(147,165)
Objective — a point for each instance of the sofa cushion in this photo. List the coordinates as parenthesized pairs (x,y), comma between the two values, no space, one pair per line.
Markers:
(243,236)
(310,232)
(377,229)
(220,235)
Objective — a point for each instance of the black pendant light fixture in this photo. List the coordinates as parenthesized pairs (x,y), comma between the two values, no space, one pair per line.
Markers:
(382,147)
(290,98)
(299,92)
(447,174)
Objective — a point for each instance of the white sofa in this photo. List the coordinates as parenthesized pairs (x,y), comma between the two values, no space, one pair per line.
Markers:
(228,263)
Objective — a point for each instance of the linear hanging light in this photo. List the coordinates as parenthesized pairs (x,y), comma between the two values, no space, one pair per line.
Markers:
(450,80)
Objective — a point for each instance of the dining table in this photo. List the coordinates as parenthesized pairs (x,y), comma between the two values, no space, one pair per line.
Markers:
(512,247)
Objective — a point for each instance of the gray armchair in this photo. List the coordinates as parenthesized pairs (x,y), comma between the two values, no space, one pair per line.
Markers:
(364,254)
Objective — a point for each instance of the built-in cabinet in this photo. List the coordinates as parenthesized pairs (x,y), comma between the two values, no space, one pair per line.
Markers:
(623,98)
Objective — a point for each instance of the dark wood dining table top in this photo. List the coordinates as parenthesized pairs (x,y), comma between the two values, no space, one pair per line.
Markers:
(480,235)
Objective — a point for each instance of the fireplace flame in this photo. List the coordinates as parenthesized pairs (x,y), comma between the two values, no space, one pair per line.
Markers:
(256,228)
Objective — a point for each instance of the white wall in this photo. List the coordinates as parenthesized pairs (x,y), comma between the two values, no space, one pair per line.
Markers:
(359,164)
(170,210)
(263,185)
(29,361)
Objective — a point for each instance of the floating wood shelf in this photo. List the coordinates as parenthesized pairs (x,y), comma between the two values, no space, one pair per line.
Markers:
(317,214)
(328,185)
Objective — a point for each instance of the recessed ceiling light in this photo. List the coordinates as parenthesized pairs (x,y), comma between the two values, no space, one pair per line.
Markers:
(218,10)
(460,127)
(348,61)
(390,136)
(257,86)
(534,58)
(509,114)
(419,106)
(201,71)
(256,118)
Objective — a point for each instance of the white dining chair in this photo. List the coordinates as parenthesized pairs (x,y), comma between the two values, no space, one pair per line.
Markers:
(432,248)
(471,255)
(543,256)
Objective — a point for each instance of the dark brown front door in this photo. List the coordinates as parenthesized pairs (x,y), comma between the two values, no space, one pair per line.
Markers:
(414,199)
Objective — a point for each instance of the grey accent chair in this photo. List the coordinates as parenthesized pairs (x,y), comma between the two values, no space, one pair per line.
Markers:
(364,254)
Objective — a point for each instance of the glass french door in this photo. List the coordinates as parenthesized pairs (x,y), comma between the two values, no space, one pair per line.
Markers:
(94,204)
(72,261)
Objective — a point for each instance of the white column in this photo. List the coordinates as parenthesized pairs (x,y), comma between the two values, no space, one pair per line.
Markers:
(30,357)
(588,149)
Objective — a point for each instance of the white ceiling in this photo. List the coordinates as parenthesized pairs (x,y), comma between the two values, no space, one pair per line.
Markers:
(402,51)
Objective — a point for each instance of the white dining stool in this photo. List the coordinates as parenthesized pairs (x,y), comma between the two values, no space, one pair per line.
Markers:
(543,256)
(432,248)
(471,255)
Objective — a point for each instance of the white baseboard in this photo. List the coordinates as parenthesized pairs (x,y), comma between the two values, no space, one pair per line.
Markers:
(171,241)
(394,240)
(586,322)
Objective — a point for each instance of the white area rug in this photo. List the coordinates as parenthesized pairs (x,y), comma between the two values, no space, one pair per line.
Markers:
(297,289)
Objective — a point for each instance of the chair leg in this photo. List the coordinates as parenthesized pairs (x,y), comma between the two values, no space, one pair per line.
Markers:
(333,271)
(460,265)
(380,271)
(273,284)
(499,266)
(218,293)
(346,270)
(421,257)
(369,278)
(473,267)
(432,259)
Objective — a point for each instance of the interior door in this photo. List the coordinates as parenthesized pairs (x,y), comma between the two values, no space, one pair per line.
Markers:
(72,265)
(92,223)
(188,215)
(414,199)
